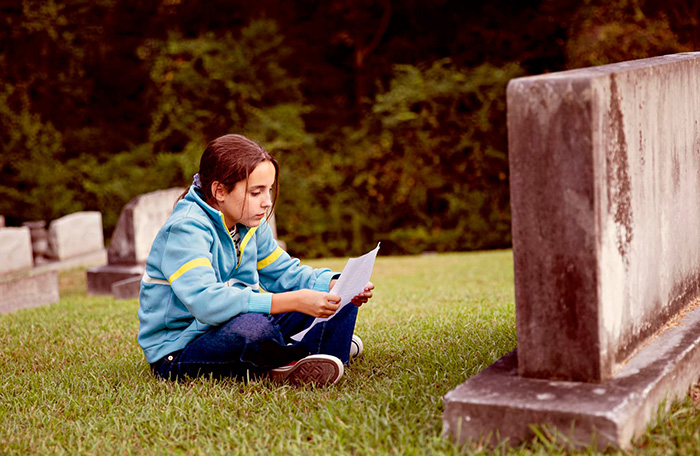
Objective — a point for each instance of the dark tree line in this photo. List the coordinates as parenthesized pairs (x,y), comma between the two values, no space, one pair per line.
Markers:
(388,117)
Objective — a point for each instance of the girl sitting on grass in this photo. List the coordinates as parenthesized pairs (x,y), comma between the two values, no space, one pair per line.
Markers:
(219,296)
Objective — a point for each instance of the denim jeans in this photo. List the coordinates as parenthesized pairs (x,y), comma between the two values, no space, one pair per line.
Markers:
(250,344)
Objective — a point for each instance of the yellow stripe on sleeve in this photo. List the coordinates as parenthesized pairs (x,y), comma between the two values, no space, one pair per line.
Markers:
(270,258)
(187,266)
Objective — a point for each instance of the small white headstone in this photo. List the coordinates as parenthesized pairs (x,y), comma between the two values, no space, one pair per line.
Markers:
(76,234)
(15,249)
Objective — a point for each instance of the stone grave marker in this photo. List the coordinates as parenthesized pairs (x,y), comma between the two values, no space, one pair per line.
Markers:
(15,249)
(20,287)
(138,225)
(136,229)
(76,234)
(605,195)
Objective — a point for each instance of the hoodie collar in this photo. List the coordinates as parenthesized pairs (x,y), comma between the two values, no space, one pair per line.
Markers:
(195,195)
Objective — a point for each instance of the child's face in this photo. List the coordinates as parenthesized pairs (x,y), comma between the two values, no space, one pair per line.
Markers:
(248,204)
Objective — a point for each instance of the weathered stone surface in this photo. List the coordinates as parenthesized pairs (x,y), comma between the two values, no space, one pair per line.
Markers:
(138,225)
(15,250)
(28,290)
(100,279)
(497,404)
(127,288)
(605,192)
(76,234)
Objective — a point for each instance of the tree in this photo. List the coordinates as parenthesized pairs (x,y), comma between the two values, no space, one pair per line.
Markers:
(615,31)
(427,170)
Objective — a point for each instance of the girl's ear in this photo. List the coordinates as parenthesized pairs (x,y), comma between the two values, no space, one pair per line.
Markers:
(218,191)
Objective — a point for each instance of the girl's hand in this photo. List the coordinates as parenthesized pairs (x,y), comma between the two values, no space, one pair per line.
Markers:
(317,303)
(364,296)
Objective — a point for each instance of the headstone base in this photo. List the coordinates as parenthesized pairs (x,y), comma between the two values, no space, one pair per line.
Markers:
(497,404)
(100,279)
(127,288)
(92,259)
(28,290)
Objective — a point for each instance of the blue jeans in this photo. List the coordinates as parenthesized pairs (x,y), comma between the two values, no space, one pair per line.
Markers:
(250,344)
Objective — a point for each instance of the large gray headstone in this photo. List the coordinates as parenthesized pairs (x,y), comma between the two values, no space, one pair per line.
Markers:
(76,234)
(138,225)
(605,195)
(15,250)
(605,185)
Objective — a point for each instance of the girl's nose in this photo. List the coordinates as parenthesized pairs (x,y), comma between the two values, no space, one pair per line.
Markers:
(267,201)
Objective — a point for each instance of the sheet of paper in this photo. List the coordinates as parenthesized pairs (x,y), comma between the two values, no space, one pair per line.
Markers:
(352,281)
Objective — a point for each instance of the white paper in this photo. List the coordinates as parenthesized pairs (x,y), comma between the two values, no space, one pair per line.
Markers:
(352,281)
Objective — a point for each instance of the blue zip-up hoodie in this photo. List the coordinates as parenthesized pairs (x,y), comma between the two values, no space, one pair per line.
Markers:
(194,279)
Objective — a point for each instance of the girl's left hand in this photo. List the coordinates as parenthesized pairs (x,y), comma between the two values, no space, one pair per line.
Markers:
(364,296)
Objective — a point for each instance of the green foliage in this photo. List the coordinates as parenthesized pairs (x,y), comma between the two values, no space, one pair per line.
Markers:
(614,31)
(103,100)
(111,184)
(199,88)
(211,85)
(427,170)
(34,184)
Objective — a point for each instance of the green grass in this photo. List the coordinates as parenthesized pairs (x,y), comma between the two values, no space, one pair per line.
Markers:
(74,379)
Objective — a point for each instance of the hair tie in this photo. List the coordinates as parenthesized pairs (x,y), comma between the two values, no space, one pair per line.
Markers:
(196,182)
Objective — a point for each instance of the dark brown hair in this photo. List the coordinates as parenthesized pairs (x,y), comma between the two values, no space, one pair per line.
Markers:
(230,159)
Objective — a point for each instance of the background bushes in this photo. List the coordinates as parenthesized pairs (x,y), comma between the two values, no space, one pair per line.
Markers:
(388,118)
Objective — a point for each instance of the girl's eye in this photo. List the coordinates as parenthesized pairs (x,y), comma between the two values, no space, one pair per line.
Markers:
(255,193)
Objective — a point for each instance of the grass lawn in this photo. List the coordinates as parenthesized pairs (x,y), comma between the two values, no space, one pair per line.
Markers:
(74,379)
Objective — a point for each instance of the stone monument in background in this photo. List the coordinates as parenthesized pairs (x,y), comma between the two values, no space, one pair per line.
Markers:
(74,240)
(605,195)
(136,229)
(20,285)
(76,234)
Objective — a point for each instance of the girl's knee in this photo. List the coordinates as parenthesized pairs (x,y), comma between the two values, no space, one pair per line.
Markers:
(251,327)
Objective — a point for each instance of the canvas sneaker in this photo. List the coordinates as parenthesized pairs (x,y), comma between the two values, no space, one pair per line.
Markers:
(320,370)
(356,347)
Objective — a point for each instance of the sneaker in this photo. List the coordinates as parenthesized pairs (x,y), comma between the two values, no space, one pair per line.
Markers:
(356,347)
(317,369)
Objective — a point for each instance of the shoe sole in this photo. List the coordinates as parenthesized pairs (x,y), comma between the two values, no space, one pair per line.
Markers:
(317,369)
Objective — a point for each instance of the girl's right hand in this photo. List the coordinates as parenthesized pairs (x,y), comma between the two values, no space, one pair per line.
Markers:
(317,303)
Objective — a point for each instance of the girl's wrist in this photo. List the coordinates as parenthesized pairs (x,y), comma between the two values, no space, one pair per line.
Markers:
(282,302)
